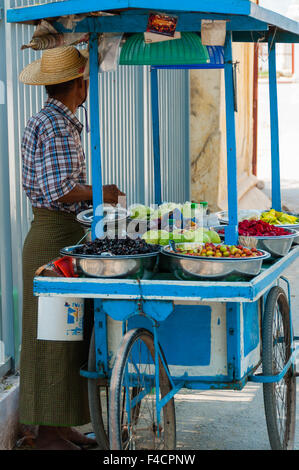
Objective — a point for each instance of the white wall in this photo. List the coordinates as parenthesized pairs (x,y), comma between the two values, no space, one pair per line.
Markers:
(280,6)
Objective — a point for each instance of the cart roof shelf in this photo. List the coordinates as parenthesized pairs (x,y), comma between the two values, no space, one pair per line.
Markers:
(247,21)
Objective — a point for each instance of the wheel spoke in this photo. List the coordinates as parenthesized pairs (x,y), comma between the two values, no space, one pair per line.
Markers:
(98,401)
(279,396)
(137,421)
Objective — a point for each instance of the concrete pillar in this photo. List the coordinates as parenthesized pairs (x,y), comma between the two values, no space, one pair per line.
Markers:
(208,136)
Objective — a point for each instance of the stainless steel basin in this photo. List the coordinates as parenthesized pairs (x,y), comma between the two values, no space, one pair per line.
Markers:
(111,266)
(213,268)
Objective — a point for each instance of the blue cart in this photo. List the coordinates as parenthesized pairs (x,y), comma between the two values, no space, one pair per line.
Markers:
(153,337)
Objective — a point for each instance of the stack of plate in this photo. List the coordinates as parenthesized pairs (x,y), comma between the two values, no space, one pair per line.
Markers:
(114,219)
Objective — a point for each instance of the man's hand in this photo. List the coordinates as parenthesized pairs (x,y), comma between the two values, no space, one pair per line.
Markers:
(111,194)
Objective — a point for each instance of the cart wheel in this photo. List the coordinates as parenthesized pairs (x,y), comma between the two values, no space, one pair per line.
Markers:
(133,424)
(279,397)
(98,401)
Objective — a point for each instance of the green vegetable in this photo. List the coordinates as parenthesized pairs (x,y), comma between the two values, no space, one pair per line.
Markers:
(151,236)
(188,236)
(156,237)
(198,235)
(214,237)
(177,236)
(206,238)
(163,237)
(278,218)
(141,212)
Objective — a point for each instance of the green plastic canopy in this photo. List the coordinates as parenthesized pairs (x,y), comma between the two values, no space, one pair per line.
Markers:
(188,50)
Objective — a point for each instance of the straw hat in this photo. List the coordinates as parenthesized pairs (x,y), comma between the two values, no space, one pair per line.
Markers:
(57,65)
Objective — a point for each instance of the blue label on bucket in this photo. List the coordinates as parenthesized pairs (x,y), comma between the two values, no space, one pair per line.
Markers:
(74,319)
(72,315)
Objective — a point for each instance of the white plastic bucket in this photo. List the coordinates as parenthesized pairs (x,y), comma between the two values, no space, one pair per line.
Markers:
(60,318)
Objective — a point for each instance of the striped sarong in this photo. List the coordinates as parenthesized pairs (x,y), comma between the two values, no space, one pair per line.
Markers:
(52,392)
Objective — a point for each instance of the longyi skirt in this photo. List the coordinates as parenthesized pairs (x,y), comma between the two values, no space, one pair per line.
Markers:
(52,392)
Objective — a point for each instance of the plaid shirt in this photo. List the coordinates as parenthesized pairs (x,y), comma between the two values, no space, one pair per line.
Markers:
(53,157)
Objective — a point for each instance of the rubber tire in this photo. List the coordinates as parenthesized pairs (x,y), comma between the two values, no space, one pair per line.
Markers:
(277,295)
(95,407)
(115,400)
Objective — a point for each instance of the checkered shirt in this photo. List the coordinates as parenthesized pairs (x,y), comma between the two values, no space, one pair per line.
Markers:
(53,158)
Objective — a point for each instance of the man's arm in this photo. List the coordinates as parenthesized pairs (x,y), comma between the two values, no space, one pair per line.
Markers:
(82,192)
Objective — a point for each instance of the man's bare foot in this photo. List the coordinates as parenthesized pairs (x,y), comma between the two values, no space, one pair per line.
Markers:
(49,438)
(73,435)
(56,444)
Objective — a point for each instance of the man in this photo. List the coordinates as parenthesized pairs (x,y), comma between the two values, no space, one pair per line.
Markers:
(53,395)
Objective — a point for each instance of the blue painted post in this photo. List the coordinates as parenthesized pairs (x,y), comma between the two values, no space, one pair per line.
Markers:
(96,166)
(233,331)
(231,231)
(157,376)
(100,331)
(275,164)
(156,135)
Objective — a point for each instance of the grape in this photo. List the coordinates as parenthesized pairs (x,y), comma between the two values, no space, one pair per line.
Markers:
(117,247)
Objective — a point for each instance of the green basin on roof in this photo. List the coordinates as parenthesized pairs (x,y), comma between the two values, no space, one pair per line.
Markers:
(185,51)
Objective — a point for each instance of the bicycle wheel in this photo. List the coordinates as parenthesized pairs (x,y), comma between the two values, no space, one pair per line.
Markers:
(132,410)
(279,397)
(98,401)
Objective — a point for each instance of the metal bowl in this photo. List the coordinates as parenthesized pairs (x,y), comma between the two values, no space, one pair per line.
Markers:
(276,246)
(111,266)
(201,267)
(296,229)
(296,240)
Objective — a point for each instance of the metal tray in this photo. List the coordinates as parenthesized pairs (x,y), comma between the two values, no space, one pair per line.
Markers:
(223,215)
(111,266)
(200,267)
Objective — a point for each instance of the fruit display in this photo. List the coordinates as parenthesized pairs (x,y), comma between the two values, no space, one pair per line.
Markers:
(118,247)
(259,228)
(274,217)
(168,215)
(200,235)
(218,251)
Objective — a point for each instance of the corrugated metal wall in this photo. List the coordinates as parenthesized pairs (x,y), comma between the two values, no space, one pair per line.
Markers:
(125,119)
(127,133)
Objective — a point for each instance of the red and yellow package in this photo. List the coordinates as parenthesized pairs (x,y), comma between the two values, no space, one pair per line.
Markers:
(161,24)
